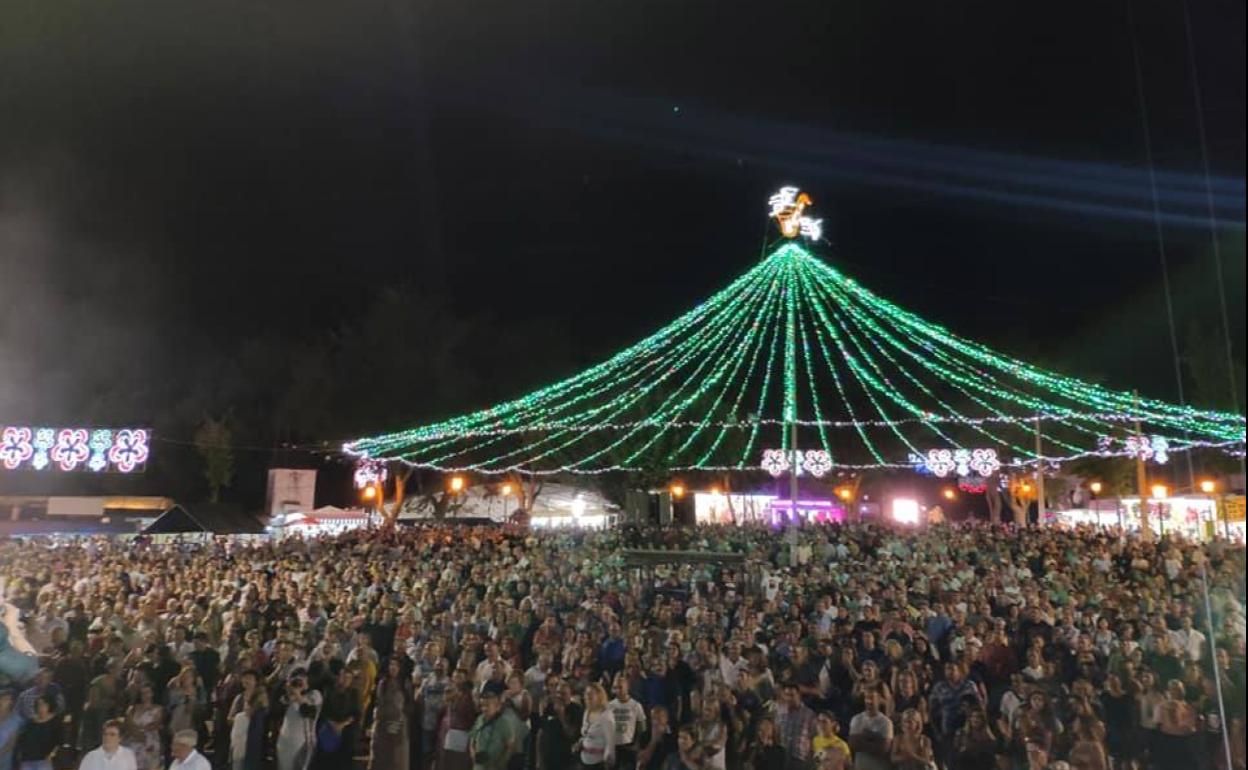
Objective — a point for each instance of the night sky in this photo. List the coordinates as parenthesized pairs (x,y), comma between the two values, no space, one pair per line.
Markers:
(178,180)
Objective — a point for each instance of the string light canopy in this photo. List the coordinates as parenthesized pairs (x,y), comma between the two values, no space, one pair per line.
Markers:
(796,357)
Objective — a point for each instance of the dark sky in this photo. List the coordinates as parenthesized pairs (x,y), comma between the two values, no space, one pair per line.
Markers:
(178,177)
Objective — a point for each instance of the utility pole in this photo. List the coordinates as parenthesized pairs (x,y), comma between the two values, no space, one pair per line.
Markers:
(1141,476)
(1039,474)
(790,378)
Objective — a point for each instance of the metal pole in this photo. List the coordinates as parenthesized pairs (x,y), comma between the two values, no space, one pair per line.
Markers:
(1039,475)
(1213,660)
(790,378)
(793,469)
(1141,477)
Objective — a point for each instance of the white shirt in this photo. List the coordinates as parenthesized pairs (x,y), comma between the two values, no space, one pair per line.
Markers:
(1190,641)
(486,669)
(630,720)
(98,759)
(193,761)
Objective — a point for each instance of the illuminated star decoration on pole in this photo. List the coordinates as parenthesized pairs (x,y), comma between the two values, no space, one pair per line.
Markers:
(787,206)
(792,356)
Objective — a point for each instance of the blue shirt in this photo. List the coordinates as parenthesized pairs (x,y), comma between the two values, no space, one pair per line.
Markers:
(9,729)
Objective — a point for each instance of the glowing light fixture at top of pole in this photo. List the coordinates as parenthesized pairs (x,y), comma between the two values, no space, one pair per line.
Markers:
(456,484)
(787,207)
(1160,492)
(1095,487)
(1208,486)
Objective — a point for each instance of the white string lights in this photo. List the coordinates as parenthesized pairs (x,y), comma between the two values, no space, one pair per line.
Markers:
(794,345)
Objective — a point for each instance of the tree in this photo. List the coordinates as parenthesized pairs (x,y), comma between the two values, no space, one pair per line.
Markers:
(527,486)
(212,441)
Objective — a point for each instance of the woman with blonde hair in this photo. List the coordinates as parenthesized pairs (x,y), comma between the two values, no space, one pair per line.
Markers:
(912,750)
(597,744)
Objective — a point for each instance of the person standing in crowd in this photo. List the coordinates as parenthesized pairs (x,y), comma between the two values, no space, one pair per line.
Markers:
(110,755)
(458,720)
(492,739)
(559,726)
(340,716)
(688,754)
(145,724)
(974,745)
(597,744)
(630,724)
(185,754)
(831,752)
(10,726)
(296,737)
(389,750)
(871,735)
(912,750)
(765,751)
(1177,724)
(948,705)
(796,724)
(659,743)
(248,717)
(431,697)
(40,737)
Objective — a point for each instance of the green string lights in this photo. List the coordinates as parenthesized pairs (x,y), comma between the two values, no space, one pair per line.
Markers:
(796,347)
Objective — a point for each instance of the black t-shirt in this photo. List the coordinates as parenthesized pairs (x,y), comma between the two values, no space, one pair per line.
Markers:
(37,740)
(556,739)
(207,664)
(666,748)
(341,704)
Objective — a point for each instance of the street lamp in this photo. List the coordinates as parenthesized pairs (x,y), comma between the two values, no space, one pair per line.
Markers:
(948,493)
(369,492)
(1095,487)
(845,493)
(1160,493)
(677,489)
(457,484)
(1208,486)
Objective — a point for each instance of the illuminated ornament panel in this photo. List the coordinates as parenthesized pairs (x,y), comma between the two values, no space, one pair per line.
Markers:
(973,485)
(98,450)
(369,473)
(942,462)
(787,208)
(816,462)
(1155,448)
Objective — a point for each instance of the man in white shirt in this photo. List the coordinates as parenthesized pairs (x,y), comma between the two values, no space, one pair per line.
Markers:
(111,755)
(492,665)
(1189,640)
(185,757)
(630,722)
(871,735)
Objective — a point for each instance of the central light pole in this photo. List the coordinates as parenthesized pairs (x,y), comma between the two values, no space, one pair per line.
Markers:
(790,383)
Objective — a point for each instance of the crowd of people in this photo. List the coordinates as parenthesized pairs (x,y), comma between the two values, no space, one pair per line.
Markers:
(860,646)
